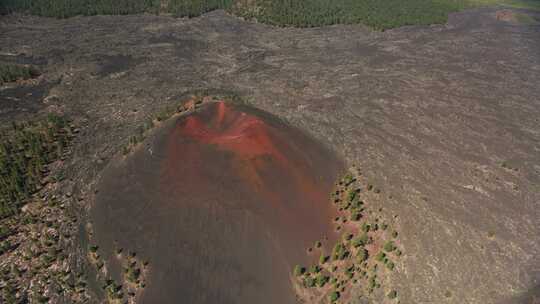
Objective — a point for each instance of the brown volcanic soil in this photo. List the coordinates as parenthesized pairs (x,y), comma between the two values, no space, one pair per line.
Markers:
(223,203)
(429,113)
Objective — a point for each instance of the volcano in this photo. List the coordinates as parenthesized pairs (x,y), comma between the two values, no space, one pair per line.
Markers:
(223,202)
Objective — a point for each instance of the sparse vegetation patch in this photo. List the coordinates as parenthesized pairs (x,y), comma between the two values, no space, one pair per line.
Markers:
(365,255)
(35,262)
(11,72)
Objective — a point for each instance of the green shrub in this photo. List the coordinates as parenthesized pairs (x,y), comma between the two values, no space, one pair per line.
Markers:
(357,205)
(334,296)
(365,227)
(132,274)
(372,282)
(11,72)
(5,246)
(5,231)
(389,246)
(380,256)
(390,265)
(348,178)
(362,255)
(298,270)
(352,196)
(392,294)
(356,215)
(309,282)
(322,280)
(362,240)
(339,252)
(314,269)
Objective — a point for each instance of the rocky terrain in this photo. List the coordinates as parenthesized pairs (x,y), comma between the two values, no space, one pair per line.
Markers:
(443,119)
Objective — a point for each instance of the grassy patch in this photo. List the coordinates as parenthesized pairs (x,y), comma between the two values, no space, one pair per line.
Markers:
(367,253)
(193,8)
(11,72)
(527,4)
(525,19)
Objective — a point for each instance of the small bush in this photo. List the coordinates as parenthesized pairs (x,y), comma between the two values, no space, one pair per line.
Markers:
(10,72)
(392,294)
(389,246)
(339,252)
(133,274)
(356,215)
(348,178)
(298,270)
(314,269)
(309,282)
(380,256)
(366,227)
(322,280)
(362,255)
(352,196)
(334,296)
(372,282)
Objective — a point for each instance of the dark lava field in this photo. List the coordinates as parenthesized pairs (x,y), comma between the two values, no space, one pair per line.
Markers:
(224,201)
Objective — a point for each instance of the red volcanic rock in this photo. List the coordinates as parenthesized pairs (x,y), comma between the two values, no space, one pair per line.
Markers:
(225,205)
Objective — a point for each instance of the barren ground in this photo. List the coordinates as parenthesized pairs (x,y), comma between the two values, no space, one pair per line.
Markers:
(445,119)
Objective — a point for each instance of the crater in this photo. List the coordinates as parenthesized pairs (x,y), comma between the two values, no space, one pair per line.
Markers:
(222,202)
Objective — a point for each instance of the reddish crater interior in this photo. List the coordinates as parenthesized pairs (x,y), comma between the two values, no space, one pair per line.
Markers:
(247,136)
(261,153)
